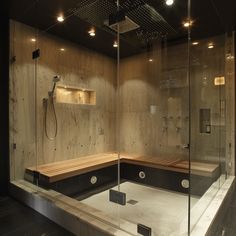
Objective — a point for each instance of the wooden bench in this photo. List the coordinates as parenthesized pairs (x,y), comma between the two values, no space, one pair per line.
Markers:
(61,170)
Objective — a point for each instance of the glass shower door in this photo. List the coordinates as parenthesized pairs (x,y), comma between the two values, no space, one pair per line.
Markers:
(153,119)
(211,108)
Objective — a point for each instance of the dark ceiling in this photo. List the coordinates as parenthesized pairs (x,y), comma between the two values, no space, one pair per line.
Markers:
(156,20)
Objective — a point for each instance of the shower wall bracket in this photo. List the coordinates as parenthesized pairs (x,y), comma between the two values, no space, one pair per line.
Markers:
(117,197)
(144,230)
(36,54)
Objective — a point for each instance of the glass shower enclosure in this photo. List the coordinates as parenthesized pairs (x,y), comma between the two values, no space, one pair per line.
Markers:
(123,106)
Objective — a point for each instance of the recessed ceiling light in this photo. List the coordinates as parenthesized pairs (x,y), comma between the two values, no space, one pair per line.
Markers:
(210,45)
(169,2)
(187,24)
(62,49)
(195,43)
(33,40)
(150,60)
(115,44)
(60,18)
(92,32)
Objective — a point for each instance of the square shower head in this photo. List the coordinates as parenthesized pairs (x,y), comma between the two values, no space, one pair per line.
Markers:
(125,25)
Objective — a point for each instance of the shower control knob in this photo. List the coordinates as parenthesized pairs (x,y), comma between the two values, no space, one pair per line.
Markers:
(185,183)
(93,180)
(186,146)
(142,175)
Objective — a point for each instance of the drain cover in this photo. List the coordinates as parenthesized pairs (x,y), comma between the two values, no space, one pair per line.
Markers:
(132,202)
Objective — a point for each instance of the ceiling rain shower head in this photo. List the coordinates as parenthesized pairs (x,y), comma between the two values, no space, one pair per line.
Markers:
(125,24)
(133,15)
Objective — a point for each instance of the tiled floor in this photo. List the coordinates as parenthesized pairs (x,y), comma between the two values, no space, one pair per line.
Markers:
(19,220)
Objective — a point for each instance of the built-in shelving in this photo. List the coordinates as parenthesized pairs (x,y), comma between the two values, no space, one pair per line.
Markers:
(75,95)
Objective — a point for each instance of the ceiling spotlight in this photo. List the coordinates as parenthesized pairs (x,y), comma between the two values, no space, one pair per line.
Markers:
(150,60)
(115,44)
(188,23)
(60,18)
(195,43)
(33,40)
(210,45)
(62,49)
(169,2)
(92,32)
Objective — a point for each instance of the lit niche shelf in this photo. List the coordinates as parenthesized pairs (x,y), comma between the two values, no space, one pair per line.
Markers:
(75,95)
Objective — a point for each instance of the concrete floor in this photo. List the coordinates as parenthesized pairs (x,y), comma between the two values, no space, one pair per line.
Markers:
(17,219)
(159,209)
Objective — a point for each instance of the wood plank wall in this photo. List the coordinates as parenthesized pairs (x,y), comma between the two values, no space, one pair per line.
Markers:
(151,107)
(81,130)
(143,88)
(163,83)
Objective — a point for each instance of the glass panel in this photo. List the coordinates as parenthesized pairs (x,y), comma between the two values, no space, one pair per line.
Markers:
(67,101)
(209,85)
(117,97)
(22,96)
(77,106)
(153,117)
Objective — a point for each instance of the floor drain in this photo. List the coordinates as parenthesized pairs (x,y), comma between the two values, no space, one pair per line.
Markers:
(132,202)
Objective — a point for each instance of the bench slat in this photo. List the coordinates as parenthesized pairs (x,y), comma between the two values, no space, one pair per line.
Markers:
(69,168)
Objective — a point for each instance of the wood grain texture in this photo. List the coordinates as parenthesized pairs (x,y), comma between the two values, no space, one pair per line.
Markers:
(65,169)
(82,130)
(86,130)
(141,130)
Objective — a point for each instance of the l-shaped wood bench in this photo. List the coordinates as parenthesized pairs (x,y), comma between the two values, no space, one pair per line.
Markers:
(55,174)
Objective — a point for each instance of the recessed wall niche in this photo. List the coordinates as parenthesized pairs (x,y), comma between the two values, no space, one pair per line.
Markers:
(74,95)
(205,121)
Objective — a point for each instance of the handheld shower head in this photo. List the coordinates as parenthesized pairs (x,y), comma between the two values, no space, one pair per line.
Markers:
(46,102)
(56,78)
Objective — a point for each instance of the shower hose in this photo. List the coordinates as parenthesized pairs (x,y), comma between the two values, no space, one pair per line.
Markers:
(46,103)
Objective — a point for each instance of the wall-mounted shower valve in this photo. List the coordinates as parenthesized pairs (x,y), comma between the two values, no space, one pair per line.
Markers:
(185,146)
(177,129)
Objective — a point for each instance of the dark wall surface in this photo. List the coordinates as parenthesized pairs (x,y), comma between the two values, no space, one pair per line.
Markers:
(4,115)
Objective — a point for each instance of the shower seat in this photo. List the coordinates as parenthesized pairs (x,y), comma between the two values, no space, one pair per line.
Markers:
(75,175)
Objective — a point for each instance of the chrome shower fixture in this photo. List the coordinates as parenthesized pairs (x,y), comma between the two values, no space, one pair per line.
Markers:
(50,102)
(55,80)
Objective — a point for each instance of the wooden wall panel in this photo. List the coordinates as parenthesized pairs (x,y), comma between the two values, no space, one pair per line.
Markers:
(141,130)
(82,130)
(161,85)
